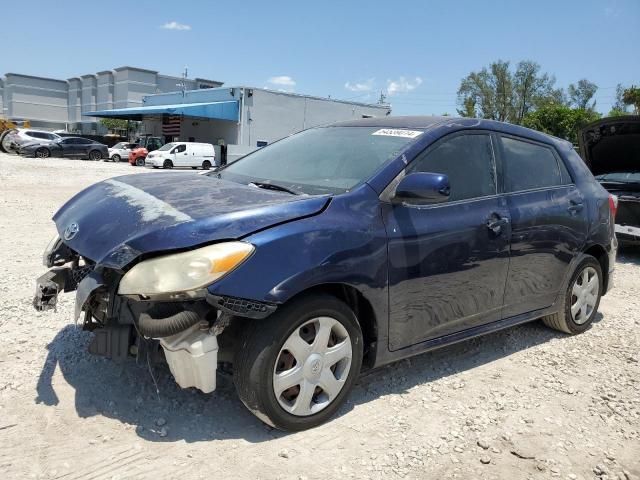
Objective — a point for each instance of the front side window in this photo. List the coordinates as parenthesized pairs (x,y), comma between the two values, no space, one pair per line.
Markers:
(179,149)
(528,166)
(166,147)
(321,160)
(468,162)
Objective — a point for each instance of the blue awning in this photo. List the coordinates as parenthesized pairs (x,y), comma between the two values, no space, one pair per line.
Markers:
(228,110)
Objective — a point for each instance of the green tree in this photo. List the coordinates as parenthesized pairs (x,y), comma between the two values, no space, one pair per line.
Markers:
(498,93)
(114,124)
(631,96)
(581,93)
(560,120)
(619,108)
(468,108)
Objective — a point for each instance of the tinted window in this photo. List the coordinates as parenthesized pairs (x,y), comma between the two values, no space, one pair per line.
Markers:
(468,162)
(83,141)
(52,136)
(179,148)
(69,141)
(37,135)
(528,166)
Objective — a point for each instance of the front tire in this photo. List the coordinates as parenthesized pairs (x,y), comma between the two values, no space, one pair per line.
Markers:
(296,368)
(115,158)
(167,164)
(581,301)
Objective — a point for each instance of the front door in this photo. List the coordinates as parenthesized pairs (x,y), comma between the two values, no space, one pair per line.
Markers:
(448,262)
(179,154)
(548,221)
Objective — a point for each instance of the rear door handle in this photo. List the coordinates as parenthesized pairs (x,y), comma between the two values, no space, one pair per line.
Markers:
(574,206)
(495,223)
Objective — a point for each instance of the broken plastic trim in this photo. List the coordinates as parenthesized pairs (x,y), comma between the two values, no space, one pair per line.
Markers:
(241,306)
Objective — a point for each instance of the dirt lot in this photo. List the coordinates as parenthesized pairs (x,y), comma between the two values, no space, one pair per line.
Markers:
(523,403)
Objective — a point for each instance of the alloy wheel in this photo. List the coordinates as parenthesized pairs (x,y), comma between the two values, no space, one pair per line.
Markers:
(584,295)
(312,366)
(42,153)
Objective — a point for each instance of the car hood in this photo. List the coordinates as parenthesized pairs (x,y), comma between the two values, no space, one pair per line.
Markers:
(115,221)
(611,144)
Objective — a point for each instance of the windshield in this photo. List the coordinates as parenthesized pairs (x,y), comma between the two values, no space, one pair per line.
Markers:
(167,146)
(321,160)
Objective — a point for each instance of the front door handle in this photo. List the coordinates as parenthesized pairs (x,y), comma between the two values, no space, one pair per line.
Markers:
(495,223)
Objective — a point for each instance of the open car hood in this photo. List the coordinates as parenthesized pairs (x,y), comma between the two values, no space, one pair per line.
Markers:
(611,144)
(115,221)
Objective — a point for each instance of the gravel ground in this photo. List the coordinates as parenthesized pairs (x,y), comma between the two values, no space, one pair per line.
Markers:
(526,402)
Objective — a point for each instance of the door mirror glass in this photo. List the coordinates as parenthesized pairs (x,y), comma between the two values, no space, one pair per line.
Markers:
(423,189)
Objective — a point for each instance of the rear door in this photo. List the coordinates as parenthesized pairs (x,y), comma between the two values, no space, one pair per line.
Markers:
(448,262)
(548,222)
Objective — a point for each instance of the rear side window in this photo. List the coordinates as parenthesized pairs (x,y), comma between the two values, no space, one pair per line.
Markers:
(468,162)
(528,166)
(37,135)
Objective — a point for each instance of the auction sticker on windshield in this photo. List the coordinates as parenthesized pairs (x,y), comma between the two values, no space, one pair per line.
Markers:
(393,132)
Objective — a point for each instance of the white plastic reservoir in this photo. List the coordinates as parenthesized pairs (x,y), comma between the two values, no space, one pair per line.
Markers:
(192,356)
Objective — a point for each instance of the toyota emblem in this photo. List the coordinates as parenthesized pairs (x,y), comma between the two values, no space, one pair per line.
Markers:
(71,231)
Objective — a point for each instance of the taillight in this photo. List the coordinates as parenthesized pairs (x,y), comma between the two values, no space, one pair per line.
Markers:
(613,205)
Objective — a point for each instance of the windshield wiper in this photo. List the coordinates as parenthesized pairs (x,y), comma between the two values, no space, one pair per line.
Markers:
(273,186)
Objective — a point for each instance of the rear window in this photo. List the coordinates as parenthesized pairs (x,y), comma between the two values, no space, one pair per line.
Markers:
(529,166)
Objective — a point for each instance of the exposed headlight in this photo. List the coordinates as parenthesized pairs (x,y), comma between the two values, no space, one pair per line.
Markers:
(185,271)
(47,261)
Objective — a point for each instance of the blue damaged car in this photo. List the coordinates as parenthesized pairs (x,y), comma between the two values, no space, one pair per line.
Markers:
(333,251)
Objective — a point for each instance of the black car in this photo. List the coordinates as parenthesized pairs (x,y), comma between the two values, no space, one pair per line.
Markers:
(71,147)
(611,149)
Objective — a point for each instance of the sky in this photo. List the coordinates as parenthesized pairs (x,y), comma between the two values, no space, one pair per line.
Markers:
(415,52)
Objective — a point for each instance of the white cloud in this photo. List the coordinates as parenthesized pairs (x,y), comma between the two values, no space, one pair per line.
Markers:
(176,26)
(366,86)
(402,85)
(284,80)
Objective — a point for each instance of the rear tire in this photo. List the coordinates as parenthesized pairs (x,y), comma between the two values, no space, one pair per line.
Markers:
(581,301)
(43,153)
(95,155)
(167,164)
(140,161)
(324,362)
(206,165)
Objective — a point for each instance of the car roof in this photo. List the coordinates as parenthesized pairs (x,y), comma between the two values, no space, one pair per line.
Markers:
(416,121)
(430,122)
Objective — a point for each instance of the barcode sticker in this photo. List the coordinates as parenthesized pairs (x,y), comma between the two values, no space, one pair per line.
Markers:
(396,132)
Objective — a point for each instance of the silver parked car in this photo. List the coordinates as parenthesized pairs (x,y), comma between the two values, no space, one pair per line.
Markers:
(120,151)
(16,138)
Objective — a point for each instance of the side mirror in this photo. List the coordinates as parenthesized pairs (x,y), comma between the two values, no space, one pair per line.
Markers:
(422,189)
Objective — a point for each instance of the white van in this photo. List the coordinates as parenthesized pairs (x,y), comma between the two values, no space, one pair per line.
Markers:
(182,154)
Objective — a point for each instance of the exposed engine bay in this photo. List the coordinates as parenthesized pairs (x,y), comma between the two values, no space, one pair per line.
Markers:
(182,329)
(611,149)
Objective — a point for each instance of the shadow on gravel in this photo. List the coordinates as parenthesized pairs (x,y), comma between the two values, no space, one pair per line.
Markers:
(126,391)
(629,255)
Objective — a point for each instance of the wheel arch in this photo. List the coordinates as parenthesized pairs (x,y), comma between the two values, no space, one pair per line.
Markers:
(361,307)
(600,254)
